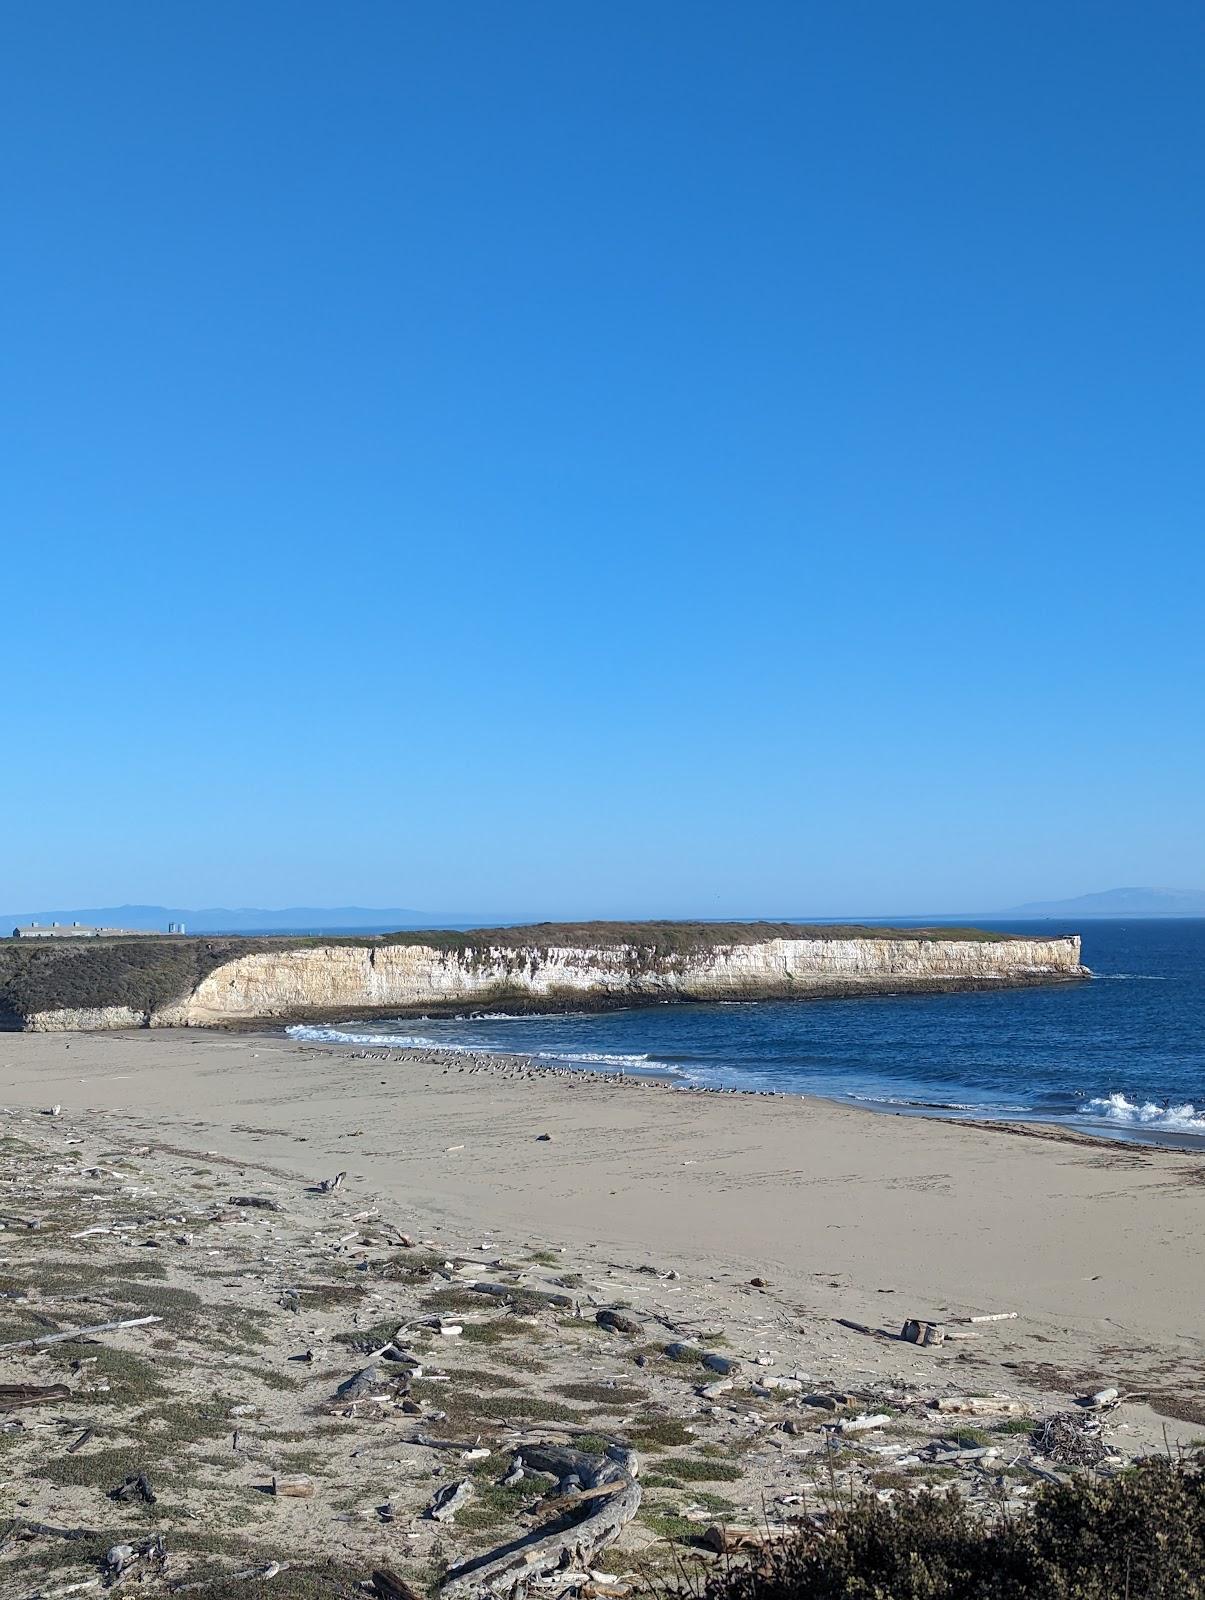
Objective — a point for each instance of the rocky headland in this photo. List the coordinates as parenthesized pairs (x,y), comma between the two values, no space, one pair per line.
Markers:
(182,982)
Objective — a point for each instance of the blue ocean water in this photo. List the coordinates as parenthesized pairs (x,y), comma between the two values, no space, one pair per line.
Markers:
(1123,1054)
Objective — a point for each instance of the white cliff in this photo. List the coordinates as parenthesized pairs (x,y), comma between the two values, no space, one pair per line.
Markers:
(313,981)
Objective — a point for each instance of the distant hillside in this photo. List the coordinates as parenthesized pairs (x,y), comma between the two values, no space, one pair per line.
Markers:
(1119,903)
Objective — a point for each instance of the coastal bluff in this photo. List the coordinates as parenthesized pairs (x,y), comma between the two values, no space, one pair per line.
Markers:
(181,982)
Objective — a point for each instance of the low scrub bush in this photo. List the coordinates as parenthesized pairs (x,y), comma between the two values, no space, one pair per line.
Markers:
(1137,1537)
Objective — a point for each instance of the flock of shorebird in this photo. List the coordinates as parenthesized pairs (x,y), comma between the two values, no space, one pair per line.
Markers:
(511,1067)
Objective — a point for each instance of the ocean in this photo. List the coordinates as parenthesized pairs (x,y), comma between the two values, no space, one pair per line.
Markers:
(1121,1055)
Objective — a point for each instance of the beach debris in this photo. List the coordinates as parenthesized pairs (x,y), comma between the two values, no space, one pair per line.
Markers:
(269,1569)
(516,1294)
(991,1316)
(915,1331)
(463,1447)
(294,1486)
(861,1423)
(758,1283)
(725,1541)
(13,1395)
(726,1366)
(64,1335)
(79,1442)
(390,1585)
(121,1558)
(329,1185)
(448,1500)
(862,1327)
(1100,1400)
(619,1322)
(830,1402)
(137,1486)
(1070,1439)
(254,1202)
(360,1386)
(978,1405)
(31,1223)
(516,1566)
(543,1138)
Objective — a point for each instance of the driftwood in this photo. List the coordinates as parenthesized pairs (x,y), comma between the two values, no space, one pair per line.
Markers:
(255,1201)
(862,1327)
(508,1572)
(448,1501)
(78,1444)
(390,1585)
(136,1487)
(878,1419)
(121,1557)
(917,1331)
(514,1291)
(295,1486)
(13,1395)
(979,1405)
(67,1334)
(270,1569)
(726,1540)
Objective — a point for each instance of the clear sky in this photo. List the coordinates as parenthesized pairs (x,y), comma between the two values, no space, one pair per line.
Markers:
(584,458)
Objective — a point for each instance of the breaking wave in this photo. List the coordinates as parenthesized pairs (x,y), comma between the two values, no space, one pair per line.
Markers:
(599,1058)
(1173,1119)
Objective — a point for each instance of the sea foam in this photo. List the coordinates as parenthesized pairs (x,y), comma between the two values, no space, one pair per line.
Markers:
(1175,1119)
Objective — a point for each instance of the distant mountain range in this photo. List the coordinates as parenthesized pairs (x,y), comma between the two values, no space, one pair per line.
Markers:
(377,919)
(1119,903)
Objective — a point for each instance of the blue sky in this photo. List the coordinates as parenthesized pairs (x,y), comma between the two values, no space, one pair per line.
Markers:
(582,459)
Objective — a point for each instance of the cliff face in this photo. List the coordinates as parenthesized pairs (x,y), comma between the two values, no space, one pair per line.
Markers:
(333,980)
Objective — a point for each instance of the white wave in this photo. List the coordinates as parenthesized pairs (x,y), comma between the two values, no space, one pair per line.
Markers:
(1183,1118)
(517,1016)
(596,1058)
(1133,977)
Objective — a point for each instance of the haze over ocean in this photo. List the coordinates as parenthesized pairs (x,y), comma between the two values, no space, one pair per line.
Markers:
(1123,1054)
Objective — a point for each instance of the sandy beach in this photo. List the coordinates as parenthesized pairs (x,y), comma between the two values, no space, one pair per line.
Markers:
(1100,1248)
(759,1253)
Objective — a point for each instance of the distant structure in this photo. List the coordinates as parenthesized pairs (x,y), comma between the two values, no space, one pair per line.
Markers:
(175,927)
(79,930)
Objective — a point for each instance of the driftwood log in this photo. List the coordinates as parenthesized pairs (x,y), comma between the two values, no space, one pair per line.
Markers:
(573,1541)
(67,1334)
(13,1395)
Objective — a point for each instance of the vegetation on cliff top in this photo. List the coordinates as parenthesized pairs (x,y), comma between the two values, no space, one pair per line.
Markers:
(147,973)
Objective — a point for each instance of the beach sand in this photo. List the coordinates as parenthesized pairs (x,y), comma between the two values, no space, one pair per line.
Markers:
(758,1227)
(1099,1247)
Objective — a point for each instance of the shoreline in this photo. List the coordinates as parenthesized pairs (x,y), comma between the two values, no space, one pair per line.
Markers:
(666,1077)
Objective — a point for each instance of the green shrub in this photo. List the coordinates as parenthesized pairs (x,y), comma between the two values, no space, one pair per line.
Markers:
(1140,1536)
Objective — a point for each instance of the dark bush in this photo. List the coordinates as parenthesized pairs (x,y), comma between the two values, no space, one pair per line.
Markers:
(1137,1537)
